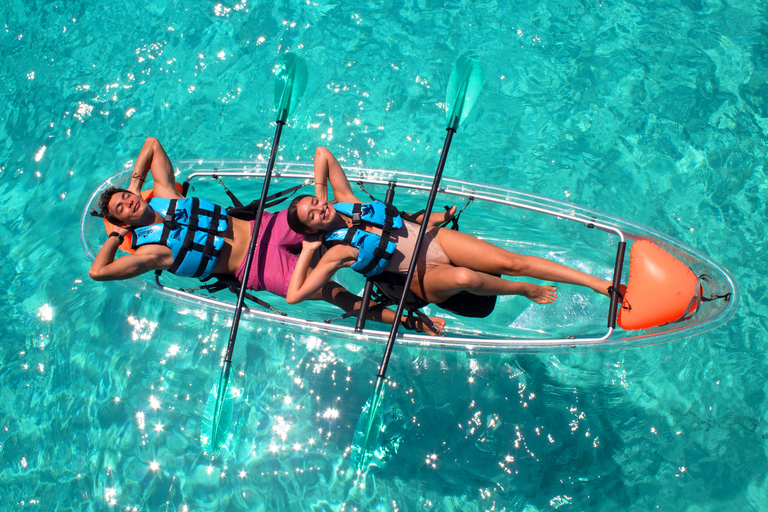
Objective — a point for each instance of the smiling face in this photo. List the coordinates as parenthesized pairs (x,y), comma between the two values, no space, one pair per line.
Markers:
(127,207)
(316,214)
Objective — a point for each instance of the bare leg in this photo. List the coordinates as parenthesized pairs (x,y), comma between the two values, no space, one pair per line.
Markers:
(444,281)
(465,250)
(337,295)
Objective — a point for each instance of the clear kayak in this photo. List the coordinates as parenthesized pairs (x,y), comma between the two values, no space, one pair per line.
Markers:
(591,241)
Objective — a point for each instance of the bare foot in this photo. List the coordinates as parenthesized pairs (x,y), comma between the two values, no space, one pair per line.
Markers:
(418,325)
(440,218)
(448,215)
(437,330)
(540,294)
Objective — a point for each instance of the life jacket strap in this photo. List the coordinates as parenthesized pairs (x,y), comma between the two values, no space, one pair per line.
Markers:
(207,250)
(380,253)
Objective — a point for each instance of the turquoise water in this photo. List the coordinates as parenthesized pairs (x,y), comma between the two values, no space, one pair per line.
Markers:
(653,110)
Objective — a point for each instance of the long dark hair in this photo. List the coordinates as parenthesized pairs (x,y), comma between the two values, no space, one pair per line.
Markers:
(293,216)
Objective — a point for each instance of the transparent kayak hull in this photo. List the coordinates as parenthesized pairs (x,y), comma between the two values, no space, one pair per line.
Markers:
(519,221)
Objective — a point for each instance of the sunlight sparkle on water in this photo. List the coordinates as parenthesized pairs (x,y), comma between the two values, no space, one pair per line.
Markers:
(109,495)
(221,10)
(281,427)
(142,328)
(140,420)
(45,313)
(331,413)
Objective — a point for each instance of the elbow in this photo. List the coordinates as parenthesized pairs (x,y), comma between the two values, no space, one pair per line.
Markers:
(293,297)
(96,275)
(101,274)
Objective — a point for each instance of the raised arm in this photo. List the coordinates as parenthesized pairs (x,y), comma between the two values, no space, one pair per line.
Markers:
(150,257)
(305,284)
(328,171)
(153,157)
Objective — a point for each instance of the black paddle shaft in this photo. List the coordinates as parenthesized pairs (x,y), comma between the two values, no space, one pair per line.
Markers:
(416,251)
(615,295)
(252,244)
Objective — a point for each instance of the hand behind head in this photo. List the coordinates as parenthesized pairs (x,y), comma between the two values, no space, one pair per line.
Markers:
(313,237)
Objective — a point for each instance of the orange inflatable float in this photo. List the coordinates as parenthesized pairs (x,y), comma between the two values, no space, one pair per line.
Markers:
(660,289)
(126,245)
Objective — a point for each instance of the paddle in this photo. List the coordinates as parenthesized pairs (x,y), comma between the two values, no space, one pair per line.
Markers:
(290,83)
(464,87)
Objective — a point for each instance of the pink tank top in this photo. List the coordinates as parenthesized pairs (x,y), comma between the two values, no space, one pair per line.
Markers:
(276,255)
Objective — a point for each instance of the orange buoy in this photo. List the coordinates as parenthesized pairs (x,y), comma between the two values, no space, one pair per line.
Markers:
(660,288)
(126,245)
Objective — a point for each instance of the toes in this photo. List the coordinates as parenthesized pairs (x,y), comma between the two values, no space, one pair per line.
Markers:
(439,325)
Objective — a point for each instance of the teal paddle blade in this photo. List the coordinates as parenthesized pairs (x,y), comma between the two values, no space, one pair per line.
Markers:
(290,84)
(368,430)
(217,416)
(464,88)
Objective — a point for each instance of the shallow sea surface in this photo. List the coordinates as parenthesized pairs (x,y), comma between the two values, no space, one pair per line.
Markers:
(656,111)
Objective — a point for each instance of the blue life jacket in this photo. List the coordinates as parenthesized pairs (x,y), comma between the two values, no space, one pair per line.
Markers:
(189,230)
(374,251)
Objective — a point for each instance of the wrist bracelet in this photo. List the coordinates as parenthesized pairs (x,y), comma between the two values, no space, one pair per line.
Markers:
(118,235)
(321,184)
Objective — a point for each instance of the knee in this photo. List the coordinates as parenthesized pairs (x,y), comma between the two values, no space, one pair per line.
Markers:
(465,279)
